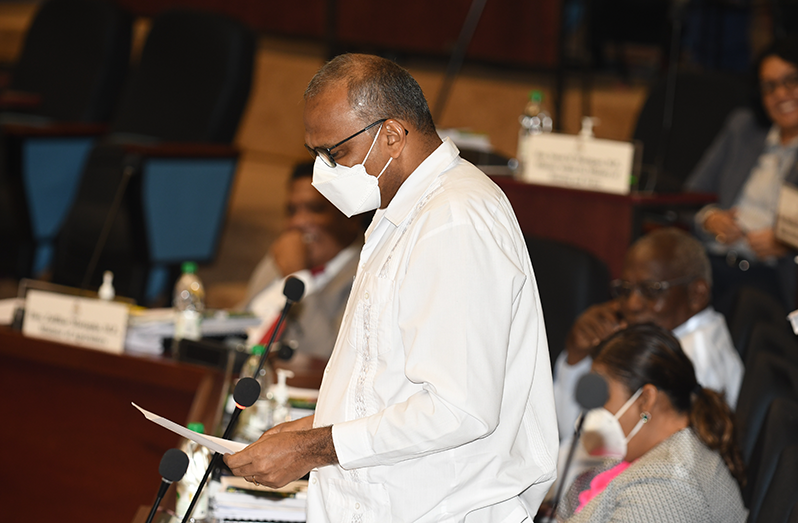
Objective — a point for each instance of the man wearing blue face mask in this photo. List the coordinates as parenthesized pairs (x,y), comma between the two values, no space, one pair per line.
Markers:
(437,401)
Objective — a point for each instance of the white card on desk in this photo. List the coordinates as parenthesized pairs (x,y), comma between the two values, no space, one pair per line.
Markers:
(222,446)
(85,322)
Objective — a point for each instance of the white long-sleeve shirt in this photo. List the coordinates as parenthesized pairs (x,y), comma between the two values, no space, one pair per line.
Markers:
(439,387)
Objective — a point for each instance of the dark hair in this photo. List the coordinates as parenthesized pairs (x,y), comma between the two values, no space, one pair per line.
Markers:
(647,353)
(378,88)
(785,48)
(302,170)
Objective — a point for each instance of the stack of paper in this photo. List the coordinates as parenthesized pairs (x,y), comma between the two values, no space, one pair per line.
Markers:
(238,500)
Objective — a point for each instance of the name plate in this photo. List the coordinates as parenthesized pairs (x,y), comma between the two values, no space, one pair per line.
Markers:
(85,322)
(591,164)
(787,215)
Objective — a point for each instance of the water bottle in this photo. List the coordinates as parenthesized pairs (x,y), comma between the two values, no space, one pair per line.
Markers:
(256,419)
(534,120)
(198,459)
(189,302)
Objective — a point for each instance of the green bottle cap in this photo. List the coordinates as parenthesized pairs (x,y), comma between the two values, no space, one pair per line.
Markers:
(197,427)
(536,95)
(189,267)
(258,350)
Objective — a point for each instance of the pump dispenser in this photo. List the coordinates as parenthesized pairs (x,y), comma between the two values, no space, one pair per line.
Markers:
(282,411)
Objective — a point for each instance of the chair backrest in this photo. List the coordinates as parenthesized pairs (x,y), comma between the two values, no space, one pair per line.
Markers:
(701,105)
(192,81)
(569,280)
(772,338)
(75,57)
(751,307)
(773,446)
(769,377)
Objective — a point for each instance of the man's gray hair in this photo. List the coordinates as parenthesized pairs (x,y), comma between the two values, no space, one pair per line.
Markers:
(689,258)
(378,89)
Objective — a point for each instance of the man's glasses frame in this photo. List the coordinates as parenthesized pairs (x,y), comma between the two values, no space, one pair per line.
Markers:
(325,153)
(650,290)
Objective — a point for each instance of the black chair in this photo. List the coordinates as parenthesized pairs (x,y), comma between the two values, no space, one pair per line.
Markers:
(569,281)
(779,504)
(167,163)
(778,432)
(752,307)
(768,378)
(74,60)
(701,105)
(73,64)
(774,339)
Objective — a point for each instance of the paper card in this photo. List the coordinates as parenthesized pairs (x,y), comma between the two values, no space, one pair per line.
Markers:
(787,215)
(222,446)
(577,162)
(85,322)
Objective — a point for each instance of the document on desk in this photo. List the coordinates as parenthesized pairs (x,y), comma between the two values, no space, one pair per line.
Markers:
(222,446)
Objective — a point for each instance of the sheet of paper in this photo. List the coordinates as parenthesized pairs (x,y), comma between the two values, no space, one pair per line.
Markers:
(222,446)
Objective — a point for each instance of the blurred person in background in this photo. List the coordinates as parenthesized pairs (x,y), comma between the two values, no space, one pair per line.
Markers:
(754,154)
(679,459)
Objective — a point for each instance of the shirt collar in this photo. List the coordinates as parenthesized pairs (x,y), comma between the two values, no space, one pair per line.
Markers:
(773,139)
(414,187)
(694,321)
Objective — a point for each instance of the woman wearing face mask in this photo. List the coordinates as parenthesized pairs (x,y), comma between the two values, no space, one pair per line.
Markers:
(681,462)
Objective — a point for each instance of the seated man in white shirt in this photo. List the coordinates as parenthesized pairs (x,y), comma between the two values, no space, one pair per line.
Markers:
(319,245)
(666,280)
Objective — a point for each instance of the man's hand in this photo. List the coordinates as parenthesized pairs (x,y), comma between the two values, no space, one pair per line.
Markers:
(290,252)
(723,225)
(765,245)
(279,457)
(592,327)
(305,423)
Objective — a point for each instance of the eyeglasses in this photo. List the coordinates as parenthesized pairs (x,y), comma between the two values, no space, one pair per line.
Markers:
(789,82)
(650,290)
(326,152)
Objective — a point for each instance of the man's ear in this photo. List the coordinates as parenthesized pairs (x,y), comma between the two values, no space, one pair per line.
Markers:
(395,136)
(698,295)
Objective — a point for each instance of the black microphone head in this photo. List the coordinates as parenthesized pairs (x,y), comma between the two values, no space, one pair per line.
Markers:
(285,352)
(174,464)
(246,392)
(294,288)
(591,391)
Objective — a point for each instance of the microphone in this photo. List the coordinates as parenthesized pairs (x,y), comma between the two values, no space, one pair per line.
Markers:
(172,468)
(293,290)
(247,389)
(591,393)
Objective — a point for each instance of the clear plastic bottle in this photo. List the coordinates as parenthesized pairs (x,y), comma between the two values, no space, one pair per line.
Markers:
(198,459)
(189,303)
(534,120)
(256,419)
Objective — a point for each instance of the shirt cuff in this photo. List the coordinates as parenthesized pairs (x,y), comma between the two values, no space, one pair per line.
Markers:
(353,445)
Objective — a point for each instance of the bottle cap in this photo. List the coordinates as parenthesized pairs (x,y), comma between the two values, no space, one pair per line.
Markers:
(189,267)
(536,95)
(258,350)
(197,427)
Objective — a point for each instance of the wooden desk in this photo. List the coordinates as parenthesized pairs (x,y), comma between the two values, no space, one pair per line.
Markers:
(75,449)
(601,223)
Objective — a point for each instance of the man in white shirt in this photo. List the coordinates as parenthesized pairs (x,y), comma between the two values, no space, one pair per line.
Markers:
(320,246)
(437,403)
(666,280)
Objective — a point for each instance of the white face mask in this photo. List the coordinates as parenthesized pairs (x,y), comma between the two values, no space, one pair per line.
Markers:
(603,434)
(351,189)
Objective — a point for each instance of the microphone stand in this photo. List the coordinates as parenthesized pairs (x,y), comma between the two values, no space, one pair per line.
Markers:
(247,390)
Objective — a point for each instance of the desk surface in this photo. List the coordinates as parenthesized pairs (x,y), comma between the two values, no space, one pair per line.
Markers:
(76,450)
(601,223)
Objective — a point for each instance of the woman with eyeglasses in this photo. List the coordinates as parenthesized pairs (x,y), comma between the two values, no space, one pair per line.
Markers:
(754,154)
(679,459)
